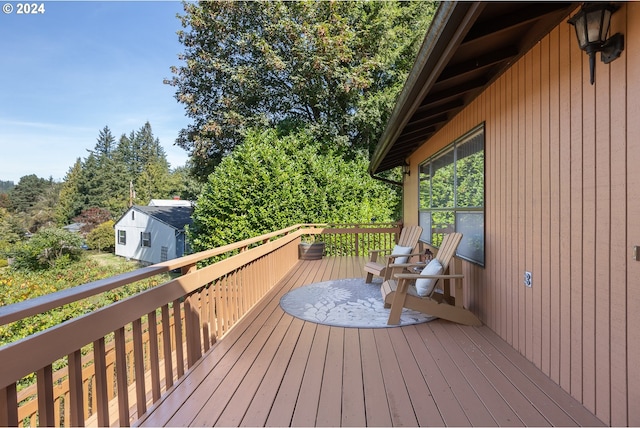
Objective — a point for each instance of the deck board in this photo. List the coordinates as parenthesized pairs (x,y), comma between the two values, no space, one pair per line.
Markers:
(276,370)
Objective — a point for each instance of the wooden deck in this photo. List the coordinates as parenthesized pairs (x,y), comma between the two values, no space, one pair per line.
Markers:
(275,370)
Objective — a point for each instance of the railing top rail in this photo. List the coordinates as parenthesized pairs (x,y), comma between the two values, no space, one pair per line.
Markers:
(30,307)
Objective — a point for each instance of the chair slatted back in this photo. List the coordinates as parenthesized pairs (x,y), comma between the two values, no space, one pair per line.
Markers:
(448,249)
(409,236)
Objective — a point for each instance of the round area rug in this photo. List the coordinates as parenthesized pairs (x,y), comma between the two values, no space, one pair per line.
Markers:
(345,303)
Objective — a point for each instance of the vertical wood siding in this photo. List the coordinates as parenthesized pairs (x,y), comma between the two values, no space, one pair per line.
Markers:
(563,202)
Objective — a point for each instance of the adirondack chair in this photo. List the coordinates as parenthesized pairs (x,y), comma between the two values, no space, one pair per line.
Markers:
(403,250)
(404,290)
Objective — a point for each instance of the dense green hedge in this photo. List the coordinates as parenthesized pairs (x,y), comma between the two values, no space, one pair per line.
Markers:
(278,178)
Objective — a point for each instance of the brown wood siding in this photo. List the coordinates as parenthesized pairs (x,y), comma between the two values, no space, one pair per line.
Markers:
(562,191)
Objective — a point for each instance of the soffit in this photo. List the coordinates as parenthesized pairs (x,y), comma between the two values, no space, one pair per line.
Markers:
(468,45)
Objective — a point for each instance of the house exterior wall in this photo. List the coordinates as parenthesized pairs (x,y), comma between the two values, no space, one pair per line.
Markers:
(563,202)
(162,235)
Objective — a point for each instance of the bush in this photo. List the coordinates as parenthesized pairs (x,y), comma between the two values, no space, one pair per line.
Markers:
(48,248)
(102,237)
(275,180)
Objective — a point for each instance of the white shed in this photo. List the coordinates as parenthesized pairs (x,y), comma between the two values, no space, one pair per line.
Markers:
(152,234)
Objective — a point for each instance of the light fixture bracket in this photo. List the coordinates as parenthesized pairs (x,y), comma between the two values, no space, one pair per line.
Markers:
(612,48)
(592,25)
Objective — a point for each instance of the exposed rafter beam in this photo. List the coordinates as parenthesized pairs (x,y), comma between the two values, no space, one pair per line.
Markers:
(425,113)
(523,16)
(480,62)
(455,91)
(412,128)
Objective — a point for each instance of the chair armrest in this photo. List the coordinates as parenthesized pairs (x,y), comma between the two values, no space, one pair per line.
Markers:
(380,251)
(418,276)
(408,265)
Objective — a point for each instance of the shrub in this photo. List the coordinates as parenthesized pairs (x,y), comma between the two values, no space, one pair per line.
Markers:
(278,179)
(102,237)
(48,248)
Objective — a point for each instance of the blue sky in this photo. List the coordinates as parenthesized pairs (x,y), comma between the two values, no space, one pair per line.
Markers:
(80,66)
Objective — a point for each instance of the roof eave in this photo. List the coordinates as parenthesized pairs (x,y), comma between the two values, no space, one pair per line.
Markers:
(450,24)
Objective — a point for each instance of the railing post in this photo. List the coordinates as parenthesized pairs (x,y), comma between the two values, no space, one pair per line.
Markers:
(192,327)
(192,323)
(9,406)
(357,243)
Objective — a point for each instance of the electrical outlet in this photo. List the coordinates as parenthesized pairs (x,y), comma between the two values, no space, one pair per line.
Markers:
(528,280)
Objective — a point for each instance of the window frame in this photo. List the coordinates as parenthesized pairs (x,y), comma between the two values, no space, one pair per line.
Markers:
(122,237)
(147,240)
(425,211)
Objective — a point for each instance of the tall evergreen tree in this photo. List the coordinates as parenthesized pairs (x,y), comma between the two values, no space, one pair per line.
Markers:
(106,143)
(27,192)
(70,201)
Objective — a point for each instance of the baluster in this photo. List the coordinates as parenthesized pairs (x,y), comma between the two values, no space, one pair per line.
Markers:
(177,321)
(44,377)
(138,356)
(102,399)
(204,310)
(76,405)
(121,377)
(166,342)
(153,355)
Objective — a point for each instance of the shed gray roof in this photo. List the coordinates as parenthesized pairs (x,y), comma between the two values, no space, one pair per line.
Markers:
(177,217)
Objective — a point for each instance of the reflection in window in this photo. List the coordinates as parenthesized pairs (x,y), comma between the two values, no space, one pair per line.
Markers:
(452,195)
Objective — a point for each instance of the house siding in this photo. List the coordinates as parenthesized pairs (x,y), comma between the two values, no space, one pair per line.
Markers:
(162,235)
(562,194)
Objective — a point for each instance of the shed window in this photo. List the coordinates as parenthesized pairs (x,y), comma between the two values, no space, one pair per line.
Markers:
(452,195)
(145,239)
(122,237)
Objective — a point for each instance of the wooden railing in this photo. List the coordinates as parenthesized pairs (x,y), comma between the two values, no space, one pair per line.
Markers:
(127,354)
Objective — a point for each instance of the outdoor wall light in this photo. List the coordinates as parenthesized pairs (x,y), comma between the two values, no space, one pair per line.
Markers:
(592,26)
(406,169)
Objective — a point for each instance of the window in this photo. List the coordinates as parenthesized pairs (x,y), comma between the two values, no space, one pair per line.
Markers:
(145,239)
(122,237)
(133,215)
(452,195)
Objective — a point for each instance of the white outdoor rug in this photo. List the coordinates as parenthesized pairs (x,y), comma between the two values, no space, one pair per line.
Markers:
(345,303)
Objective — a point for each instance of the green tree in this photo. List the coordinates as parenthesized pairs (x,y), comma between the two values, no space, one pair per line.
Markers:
(27,192)
(5,186)
(50,247)
(102,237)
(70,201)
(335,66)
(274,180)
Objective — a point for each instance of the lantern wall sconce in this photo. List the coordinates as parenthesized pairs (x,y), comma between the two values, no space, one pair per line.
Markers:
(406,169)
(592,26)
